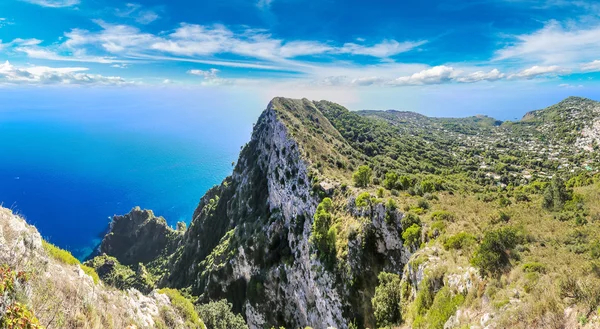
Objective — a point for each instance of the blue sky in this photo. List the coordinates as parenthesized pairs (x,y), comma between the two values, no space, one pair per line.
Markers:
(497,57)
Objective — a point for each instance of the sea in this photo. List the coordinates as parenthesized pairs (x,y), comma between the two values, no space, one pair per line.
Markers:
(71,161)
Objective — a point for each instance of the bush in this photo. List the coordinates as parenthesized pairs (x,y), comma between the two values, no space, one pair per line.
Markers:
(324,235)
(218,315)
(423,204)
(534,267)
(362,177)
(443,215)
(386,302)
(443,307)
(412,236)
(184,307)
(410,219)
(496,251)
(390,181)
(460,241)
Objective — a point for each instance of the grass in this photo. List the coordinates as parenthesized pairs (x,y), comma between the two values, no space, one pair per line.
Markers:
(66,257)
(185,308)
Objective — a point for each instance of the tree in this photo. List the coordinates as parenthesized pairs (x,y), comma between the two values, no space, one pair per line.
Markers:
(218,315)
(362,177)
(556,195)
(496,251)
(387,299)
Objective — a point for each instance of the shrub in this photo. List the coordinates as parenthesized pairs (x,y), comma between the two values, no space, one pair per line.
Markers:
(534,267)
(362,177)
(443,307)
(380,192)
(386,302)
(184,307)
(390,181)
(91,272)
(460,241)
(443,215)
(218,315)
(323,234)
(422,203)
(412,235)
(496,250)
(410,219)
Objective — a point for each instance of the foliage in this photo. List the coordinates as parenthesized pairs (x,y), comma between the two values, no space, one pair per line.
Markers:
(460,241)
(412,235)
(556,195)
(218,315)
(67,258)
(409,220)
(386,302)
(16,315)
(362,177)
(443,215)
(324,234)
(184,307)
(444,305)
(59,254)
(496,250)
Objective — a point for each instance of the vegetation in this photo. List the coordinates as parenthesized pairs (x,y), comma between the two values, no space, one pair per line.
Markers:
(67,258)
(496,250)
(362,177)
(218,315)
(387,299)
(185,308)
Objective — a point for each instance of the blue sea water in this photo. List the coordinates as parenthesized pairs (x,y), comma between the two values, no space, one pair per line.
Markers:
(68,164)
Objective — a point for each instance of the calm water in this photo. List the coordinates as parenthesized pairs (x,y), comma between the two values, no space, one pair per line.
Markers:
(68,171)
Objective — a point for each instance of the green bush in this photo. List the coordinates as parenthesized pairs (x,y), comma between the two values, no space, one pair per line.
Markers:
(390,181)
(496,250)
(362,177)
(218,315)
(412,236)
(443,215)
(409,220)
(184,307)
(534,267)
(324,235)
(460,241)
(386,302)
(444,305)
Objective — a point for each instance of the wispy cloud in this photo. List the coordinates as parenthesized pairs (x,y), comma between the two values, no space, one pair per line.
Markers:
(555,43)
(10,74)
(593,66)
(54,3)
(138,13)
(536,71)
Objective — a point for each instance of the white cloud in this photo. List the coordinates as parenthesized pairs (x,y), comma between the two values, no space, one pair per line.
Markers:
(264,4)
(138,13)
(208,74)
(569,86)
(492,75)
(78,56)
(203,41)
(48,75)
(555,43)
(54,3)
(536,71)
(591,67)
(434,75)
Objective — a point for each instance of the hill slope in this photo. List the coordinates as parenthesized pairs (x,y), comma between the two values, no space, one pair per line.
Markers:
(342,219)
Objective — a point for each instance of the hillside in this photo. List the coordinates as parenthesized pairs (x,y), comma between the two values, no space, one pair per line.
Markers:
(375,219)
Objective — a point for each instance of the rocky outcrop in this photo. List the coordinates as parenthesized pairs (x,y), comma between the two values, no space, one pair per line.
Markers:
(139,237)
(61,295)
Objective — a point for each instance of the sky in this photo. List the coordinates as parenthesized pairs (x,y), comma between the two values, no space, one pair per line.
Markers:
(444,58)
